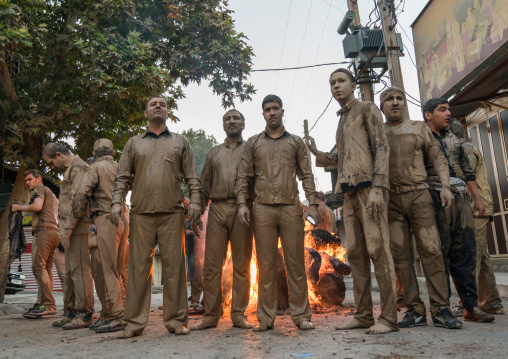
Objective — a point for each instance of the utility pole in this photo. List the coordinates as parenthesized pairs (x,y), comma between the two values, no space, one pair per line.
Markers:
(365,88)
(387,11)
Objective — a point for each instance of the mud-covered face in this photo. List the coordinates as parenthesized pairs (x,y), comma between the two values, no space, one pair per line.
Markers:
(394,107)
(31,182)
(440,118)
(341,87)
(156,110)
(233,124)
(273,113)
(57,163)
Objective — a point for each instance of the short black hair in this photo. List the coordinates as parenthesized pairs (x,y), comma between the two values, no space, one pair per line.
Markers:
(347,72)
(103,151)
(147,101)
(321,196)
(231,110)
(271,98)
(51,149)
(33,172)
(431,104)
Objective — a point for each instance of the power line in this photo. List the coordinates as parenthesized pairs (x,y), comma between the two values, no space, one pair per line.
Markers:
(326,2)
(326,108)
(283,43)
(302,67)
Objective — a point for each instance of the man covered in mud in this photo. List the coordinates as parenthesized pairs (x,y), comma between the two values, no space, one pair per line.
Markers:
(411,209)
(79,299)
(106,241)
(488,296)
(44,207)
(154,164)
(272,160)
(455,223)
(218,185)
(362,161)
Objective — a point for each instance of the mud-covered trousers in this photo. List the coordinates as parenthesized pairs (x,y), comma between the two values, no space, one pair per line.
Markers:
(488,295)
(105,248)
(78,295)
(368,239)
(146,230)
(43,251)
(415,211)
(224,226)
(272,221)
(456,231)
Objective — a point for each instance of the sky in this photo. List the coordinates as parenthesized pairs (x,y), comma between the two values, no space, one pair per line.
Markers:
(292,33)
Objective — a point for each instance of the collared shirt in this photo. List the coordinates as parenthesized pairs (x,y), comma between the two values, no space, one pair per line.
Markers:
(154,167)
(410,142)
(477,163)
(220,172)
(47,217)
(458,163)
(273,164)
(362,157)
(97,187)
(73,175)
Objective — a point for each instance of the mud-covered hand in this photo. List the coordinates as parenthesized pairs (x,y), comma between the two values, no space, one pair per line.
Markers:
(479,207)
(195,216)
(116,213)
(376,202)
(314,213)
(446,197)
(243,213)
(311,144)
(16,207)
(64,238)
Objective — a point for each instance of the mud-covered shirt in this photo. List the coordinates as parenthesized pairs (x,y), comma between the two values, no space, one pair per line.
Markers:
(363,154)
(47,217)
(73,175)
(220,171)
(96,188)
(273,164)
(410,143)
(154,167)
(482,179)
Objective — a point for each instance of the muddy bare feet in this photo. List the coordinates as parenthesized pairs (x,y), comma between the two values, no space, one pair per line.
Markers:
(182,331)
(262,327)
(203,325)
(379,329)
(352,324)
(243,324)
(126,334)
(306,325)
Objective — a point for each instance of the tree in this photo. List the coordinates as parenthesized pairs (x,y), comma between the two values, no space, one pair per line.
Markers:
(86,67)
(201,144)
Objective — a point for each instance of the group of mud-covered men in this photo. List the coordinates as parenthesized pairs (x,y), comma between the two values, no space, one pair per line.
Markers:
(398,178)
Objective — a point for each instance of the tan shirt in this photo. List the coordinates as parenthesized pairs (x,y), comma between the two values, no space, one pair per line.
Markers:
(155,167)
(410,143)
(477,163)
(47,217)
(220,172)
(96,188)
(363,154)
(273,164)
(73,175)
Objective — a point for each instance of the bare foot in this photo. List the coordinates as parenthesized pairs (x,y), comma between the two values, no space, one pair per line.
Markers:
(379,328)
(352,324)
(182,331)
(306,325)
(243,324)
(126,334)
(262,327)
(203,325)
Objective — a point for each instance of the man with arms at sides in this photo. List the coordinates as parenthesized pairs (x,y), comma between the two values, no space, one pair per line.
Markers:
(78,299)
(44,207)
(455,223)
(106,241)
(154,164)
(488,295)
(362,161)
(272,160)
(411,209)
(218,185)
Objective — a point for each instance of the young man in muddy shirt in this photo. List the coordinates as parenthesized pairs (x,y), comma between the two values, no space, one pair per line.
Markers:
(455,223)
(44,207)
(272,160)
(154,164)
(218,185)
(411,209)
(362,161)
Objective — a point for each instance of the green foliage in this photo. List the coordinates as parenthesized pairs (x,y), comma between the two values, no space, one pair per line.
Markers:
(201,144)
(88,66)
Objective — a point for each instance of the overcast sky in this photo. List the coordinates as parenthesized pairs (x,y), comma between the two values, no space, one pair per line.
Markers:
(310,38)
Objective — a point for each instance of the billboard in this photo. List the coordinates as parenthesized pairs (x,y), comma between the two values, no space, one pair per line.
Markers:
(452,38)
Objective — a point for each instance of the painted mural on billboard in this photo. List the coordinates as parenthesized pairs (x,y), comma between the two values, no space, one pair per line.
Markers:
(452,37)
